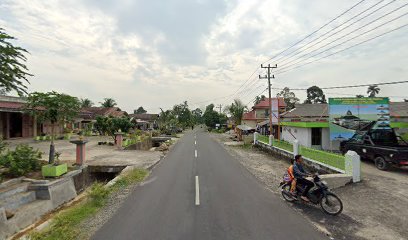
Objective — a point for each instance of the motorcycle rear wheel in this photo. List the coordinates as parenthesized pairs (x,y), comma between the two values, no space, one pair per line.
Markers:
(331,204)
(286,193)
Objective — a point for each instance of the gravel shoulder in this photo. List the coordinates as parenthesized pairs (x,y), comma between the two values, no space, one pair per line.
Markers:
(373,209)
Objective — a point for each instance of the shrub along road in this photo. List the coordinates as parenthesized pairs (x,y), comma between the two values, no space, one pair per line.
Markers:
(200,191)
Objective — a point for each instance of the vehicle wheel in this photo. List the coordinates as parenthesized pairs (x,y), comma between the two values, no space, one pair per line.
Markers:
(331,204)
(381,164)
(286,193)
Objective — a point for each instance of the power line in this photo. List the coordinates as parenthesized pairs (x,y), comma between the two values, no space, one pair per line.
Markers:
(314,40)
(284,66)
(320,28)
(342,50)
(349,86)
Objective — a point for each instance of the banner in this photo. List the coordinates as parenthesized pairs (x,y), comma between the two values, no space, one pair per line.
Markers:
(347,115)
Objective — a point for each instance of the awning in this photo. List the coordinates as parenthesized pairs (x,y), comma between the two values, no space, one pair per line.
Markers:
(245,127)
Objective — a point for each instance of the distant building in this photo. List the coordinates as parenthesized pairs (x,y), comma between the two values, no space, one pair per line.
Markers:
(309,124)
(258,117)
(145,121)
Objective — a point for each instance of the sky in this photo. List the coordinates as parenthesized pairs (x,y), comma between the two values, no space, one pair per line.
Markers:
(160,53)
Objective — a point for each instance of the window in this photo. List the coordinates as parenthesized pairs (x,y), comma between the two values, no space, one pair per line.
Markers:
(316,136)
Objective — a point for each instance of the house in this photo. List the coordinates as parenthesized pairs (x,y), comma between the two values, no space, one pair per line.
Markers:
(309,124)
(145,121)
(15,123)
(87,116)
(258,117)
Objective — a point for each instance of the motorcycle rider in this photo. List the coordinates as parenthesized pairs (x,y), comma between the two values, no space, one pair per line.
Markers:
(300,174)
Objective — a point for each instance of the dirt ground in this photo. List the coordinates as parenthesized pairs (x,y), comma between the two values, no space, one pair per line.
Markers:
(373,209)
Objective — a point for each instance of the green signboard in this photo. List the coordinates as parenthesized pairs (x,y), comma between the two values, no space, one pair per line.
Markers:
(347,115)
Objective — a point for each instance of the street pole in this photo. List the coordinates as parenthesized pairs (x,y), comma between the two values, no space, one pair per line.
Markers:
(268,76)
(220,108)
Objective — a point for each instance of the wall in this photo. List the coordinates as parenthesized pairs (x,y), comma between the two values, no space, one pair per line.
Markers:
(303,135)
(326,139)
(251,123)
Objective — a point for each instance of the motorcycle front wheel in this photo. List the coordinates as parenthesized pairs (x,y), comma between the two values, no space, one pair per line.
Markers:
(331,204)
(286,193)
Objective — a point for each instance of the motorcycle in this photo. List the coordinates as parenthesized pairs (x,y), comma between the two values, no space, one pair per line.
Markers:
(319,194)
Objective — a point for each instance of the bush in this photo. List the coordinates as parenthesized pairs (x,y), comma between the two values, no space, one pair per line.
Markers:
(21,161)
(99,193)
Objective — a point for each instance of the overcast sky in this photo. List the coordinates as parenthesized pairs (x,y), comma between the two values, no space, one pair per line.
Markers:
(160,53)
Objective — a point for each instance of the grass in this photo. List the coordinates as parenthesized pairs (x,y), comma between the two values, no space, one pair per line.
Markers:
(405,137)
(65,225)
(262,138)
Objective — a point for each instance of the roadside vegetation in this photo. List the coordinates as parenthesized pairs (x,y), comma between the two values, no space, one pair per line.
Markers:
(64,226)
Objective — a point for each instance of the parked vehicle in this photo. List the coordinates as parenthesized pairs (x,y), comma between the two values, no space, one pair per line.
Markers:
(382,146)
(319,194)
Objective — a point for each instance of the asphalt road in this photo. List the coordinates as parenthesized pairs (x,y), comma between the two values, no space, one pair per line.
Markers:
(226,202)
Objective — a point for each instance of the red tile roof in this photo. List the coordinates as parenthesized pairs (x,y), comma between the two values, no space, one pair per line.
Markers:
(12,105)
(249,115)
(265,103)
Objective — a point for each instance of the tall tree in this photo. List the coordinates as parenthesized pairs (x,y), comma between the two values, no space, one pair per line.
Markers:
(54,107)
(197,116)
(183,114)
(108,102)
(210,116)
(86,103)
(289,97)
(373,90)
(140,110)
(236,109)
(13,71)
(315,95)
(258,99)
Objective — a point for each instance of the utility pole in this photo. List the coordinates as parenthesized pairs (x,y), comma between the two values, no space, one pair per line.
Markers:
(269,76)
(220,108)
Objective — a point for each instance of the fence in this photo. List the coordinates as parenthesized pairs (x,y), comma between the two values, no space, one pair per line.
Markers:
(262,138)
(283,145)
(327,158)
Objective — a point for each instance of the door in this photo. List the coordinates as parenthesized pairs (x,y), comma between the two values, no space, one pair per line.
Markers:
(317,138)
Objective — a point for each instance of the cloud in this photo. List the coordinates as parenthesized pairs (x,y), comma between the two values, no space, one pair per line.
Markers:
(160,53)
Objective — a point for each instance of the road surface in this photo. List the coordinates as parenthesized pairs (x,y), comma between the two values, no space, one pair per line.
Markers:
(199,191)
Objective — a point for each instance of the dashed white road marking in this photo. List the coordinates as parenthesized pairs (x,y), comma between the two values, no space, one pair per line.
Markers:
(197,195)
(195,142)
(195,153)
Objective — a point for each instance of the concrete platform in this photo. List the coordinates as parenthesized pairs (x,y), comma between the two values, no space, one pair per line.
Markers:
(336,180)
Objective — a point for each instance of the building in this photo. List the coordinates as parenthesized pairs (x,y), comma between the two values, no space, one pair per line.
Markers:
(87,116)
(145,121)
(258,117)
(309,124)
(15,123)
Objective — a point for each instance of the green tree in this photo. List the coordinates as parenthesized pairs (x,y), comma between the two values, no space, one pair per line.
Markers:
(183,114)
(111,125)
(289,97)
(86,103)
(236,109)
(359,96)
(258,99)
(167,120)
(210,116)
(108,102)
(140,110)
(13,71)
(54,107)
(197,116)
(373,90)
(315,95)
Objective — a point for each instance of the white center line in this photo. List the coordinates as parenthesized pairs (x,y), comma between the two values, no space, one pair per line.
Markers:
(195,153)
(197,196)
(195,142)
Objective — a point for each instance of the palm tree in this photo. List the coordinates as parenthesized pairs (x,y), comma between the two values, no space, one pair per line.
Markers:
(236,109)
(373,90)
(86,103)
(108,102)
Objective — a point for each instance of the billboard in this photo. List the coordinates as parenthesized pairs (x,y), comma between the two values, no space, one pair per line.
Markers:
(347,115)
(275,111)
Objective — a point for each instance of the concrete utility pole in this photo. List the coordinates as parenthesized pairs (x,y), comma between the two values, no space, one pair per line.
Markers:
(268,76)
(220,108)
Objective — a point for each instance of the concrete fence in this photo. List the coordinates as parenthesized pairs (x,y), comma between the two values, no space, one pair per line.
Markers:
(348,164)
